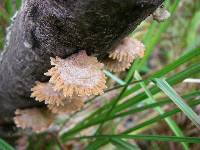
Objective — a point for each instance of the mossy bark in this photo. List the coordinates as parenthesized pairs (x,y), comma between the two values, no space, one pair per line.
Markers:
(49,28)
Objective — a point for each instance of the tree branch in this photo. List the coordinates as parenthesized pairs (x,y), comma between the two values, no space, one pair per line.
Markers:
(49,28)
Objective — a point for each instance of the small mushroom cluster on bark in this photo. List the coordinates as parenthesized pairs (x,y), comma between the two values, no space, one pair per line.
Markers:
(74,78)
(71,80)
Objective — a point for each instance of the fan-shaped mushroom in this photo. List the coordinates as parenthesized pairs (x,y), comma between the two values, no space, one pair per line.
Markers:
(78,74)
(45,92)
(38,120)
(128,50)
(115,65)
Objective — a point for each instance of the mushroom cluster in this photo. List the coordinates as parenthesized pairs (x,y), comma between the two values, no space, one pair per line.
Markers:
(71,80)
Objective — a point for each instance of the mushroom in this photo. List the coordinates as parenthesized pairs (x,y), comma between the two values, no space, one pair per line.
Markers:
(124,54)
(70,105)
(128,50)
(45,92)
(77,75)
(36,119)
(55,100)
(115,65)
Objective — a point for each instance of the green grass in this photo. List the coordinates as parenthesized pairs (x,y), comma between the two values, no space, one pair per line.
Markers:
(5,146)
(148,138)
(169,91)
(171,123)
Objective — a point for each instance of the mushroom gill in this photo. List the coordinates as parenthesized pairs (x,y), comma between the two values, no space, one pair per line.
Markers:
(115,65)
(77,75)
(36,119)
(70,105)
(128,50)
(45,92)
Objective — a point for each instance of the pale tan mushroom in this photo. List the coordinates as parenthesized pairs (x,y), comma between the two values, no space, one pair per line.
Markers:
(36,119)
(128,50)
(70,105)
(115,65)
(77,75)
(45,92)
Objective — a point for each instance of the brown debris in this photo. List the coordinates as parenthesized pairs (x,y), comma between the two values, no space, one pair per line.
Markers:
(78,75)
(34,118)
(45,92)
(161,14)
(70,105)
(128,50)
(116,66)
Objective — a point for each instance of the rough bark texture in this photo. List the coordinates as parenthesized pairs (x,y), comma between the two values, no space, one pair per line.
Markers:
(49,28)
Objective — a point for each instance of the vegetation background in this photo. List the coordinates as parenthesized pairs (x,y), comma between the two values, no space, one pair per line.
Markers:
(147,107)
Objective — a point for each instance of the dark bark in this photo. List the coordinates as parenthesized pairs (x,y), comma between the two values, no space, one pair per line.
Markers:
(49,28)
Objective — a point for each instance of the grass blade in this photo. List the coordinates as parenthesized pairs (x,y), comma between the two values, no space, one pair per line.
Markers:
(96,144)
(171,123)
(5,146)
(114,78)
(147,138)
(169,91)
(123,145)
(115,102)
(159,117)
(18,4)
(9,7)
(193,31)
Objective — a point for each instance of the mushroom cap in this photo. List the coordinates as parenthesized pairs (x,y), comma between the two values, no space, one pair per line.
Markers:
(45,92)
(115,65)
(38,120)
(128,50)
(71,105)
(77,75)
